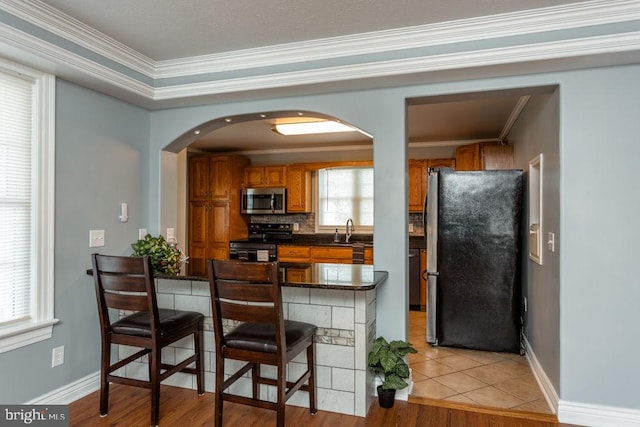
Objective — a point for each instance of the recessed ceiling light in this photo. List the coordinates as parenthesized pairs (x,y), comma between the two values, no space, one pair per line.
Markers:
(263,115)
(306,128)
(228,120)
(196,132)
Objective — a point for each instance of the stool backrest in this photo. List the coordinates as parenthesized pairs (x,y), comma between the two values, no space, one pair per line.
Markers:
(124,283)
(245,292)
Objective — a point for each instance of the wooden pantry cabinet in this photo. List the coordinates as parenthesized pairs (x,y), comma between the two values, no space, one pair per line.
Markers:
(214,205)
(265,176)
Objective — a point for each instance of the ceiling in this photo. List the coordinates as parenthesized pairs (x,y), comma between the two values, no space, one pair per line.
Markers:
(183,29)
(171,29)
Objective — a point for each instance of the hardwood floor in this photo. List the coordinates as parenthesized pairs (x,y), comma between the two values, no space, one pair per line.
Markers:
(129,407)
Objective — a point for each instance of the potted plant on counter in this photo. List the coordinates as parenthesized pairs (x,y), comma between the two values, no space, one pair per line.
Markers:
(386,361)
(166,257)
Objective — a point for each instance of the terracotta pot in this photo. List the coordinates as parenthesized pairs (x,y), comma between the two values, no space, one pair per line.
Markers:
(386,397)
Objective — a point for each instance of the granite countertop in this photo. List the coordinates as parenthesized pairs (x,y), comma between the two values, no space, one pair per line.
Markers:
(327,240)
(354,277)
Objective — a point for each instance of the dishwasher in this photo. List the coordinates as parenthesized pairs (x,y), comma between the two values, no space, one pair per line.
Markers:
(414,279)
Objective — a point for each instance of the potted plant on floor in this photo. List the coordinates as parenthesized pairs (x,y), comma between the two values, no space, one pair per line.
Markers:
(386,361)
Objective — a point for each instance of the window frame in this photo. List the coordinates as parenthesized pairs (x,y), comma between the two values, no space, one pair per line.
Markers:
(40,324)
(358,228)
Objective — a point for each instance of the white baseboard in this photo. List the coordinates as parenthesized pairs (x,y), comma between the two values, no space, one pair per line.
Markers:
(580,413)
(597,415)
(70,392)
(548,390)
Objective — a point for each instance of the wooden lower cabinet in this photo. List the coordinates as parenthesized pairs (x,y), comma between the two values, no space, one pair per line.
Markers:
(328,254)
(292,253)
(331,254)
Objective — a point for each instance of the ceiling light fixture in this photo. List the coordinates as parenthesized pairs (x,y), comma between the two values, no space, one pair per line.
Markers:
(306,128)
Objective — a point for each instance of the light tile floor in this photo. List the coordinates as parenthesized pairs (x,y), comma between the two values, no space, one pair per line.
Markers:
(499,380)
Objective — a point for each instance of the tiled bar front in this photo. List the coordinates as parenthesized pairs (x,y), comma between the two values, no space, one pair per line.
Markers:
(346,321)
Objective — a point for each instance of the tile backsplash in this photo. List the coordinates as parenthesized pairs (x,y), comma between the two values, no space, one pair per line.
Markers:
(306,222)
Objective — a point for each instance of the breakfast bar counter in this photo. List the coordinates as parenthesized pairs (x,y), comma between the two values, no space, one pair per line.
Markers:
(340,299)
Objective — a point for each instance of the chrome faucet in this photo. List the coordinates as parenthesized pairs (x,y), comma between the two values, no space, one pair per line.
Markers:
(349,231)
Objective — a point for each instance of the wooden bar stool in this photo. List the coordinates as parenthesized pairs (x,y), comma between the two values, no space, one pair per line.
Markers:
(249,292)
(126,283)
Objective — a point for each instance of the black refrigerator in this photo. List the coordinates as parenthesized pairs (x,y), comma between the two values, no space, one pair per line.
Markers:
(472,226)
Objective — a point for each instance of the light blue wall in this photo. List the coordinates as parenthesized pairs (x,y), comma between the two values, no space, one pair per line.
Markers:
(600,201)
(537,131)
(598,132)
(101,159)
(109,152)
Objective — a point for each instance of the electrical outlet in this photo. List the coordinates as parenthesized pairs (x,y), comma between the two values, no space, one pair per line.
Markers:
(96,238)
(296,226)
(411,229)
(171,233)
(57,356)
(141,233)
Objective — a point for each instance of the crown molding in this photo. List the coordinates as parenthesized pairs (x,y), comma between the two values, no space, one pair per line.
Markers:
(52,20)
(459,60)
(55,59)
(575,15)
(77,68)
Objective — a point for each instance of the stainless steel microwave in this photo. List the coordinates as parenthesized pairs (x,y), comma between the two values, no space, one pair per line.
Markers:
(263,201)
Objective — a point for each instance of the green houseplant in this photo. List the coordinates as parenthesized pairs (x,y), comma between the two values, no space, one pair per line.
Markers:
(386,361)
(166,258)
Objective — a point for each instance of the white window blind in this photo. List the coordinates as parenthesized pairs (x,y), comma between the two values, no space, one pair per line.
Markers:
(27,185)
(343,194)
(16,210)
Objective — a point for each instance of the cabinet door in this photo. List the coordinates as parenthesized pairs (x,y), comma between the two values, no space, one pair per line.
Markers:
(368,256)
(328,254)
(469,157)
(275,176)
(417,184)
(497,156)
(254,176)
(220,177)
(441,163)
(298,189)
(199,178)
(198,212)
(291,253)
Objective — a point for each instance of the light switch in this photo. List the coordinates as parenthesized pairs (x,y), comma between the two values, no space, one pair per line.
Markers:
(96,238)
(171,233)
(141,233)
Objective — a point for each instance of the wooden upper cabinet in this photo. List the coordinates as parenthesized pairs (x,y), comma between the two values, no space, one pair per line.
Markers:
(497,156)
(417,184)
(441,163)
(418,180)
(298,189)
(265,176)
(484,156)
(469,157)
